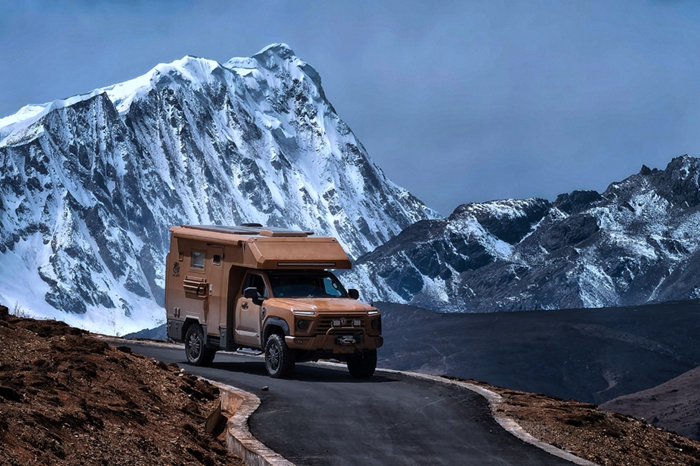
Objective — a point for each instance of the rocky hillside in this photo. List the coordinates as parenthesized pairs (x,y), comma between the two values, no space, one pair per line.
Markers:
(68,398)
(90,185)
(637,242)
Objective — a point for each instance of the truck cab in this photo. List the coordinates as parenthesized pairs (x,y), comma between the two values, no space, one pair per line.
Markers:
(267,289)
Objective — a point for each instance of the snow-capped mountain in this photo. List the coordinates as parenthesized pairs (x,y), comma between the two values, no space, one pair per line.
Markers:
(635,243)
(90,185)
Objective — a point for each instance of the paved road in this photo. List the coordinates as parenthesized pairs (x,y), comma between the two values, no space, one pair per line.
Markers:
(322,416)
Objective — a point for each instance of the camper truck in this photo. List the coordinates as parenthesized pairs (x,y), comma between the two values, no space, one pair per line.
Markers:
(268,289)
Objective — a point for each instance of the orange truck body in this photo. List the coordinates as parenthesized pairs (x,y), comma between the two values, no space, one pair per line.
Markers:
(231,287)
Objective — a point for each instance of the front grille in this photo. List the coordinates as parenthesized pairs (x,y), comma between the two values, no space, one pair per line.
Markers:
(324,323)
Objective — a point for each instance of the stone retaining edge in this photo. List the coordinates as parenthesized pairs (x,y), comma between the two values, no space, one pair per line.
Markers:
(239,405)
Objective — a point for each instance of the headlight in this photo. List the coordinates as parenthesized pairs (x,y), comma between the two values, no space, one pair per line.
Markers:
(303,324)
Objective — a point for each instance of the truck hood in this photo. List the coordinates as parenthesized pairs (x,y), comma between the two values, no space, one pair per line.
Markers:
(320,304)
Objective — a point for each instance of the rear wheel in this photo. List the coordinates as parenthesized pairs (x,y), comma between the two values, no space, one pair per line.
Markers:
(362,366)
(279,359)
(195,349)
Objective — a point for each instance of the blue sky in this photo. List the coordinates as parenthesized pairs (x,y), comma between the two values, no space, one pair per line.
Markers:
(462,101)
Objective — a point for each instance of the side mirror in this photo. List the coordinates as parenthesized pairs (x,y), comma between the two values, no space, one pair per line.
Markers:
(353,293)
(252,294)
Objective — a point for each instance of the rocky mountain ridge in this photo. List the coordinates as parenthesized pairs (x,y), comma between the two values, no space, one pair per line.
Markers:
(90,184)
(635,243)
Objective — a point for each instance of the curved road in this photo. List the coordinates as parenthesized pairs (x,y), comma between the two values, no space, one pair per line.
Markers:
(322,416)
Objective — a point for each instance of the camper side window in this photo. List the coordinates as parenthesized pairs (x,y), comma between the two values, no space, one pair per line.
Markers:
(197,260)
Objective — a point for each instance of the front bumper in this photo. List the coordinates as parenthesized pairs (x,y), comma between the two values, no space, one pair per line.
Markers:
(336,342)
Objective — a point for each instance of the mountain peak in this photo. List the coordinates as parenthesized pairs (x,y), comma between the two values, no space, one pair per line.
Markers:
(273,57)
(279,49)
(190,68)
(189,142)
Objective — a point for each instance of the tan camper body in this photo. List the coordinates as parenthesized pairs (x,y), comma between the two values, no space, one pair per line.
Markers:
(269,289)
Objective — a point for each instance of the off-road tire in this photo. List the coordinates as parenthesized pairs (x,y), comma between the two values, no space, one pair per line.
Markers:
(362,366)
(279,359)
(195,349)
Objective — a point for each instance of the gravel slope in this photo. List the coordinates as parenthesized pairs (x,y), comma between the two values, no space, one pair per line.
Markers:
(595,434)
(69,398)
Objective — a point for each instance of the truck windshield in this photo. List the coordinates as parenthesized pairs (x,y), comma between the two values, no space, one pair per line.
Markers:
(305,285)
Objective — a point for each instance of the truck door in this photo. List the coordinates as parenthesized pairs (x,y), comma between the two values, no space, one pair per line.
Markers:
(248,313)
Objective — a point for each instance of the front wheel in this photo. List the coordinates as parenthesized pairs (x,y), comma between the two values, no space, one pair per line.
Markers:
(279,359)
(362,366)
(195,349)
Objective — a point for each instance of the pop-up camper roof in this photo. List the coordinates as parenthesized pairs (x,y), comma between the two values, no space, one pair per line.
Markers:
(270,248)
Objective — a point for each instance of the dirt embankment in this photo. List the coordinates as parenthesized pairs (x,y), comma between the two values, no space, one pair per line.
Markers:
(600,436)
(69,398)
(674,405)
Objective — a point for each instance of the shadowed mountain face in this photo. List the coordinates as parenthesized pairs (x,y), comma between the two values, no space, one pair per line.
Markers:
(90,185)
(591,355)
(635,243)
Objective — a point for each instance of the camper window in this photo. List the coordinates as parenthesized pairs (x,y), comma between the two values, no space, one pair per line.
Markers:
(197,260)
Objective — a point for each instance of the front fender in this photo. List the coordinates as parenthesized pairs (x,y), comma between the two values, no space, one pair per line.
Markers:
(270,324)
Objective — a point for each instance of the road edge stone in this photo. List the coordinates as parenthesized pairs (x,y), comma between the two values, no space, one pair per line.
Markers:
(239,405)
